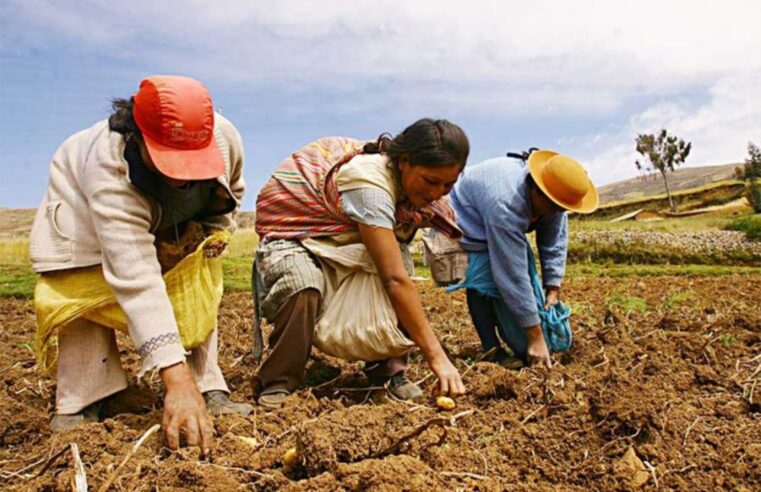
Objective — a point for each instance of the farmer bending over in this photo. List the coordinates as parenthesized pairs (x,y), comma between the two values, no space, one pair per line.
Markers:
(497,203)
(334,221)
(118,191)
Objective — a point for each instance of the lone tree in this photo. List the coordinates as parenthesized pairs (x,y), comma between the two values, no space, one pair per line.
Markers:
(664,153)
(751,172)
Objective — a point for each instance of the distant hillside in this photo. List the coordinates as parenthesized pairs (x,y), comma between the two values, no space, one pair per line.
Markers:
(681,179)
(15,222)
(246,220)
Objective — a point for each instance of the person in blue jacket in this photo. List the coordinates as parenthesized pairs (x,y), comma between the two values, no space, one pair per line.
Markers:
(497,202)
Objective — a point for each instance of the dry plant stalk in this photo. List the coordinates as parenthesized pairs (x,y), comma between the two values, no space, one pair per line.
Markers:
(474,476)
(129,455)
(79,482)
(440,421)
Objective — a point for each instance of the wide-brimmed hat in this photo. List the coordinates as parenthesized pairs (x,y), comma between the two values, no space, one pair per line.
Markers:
(564,181)
(176,118)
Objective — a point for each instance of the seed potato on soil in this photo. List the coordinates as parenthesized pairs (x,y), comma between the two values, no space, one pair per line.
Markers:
(661,389)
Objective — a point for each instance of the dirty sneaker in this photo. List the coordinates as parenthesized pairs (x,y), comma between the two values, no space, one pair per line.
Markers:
(218,403)
(403,388)
(90,413)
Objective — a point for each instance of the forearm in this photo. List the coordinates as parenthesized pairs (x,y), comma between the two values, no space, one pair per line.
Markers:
(133,273)
(384,250)
(409,309)
(508,255)
(176,376)
(553,268)
(552,243)
(131,269)
(150,317)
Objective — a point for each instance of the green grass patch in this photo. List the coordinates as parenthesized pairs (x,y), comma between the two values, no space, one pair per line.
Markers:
(581,308)
(728,340)
(685,224)
(626,303)
(237,273)
(17,281)
(750,225)
(677,299)
(237,260)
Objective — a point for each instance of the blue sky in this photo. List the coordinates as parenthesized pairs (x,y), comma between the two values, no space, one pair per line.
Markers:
(581,77)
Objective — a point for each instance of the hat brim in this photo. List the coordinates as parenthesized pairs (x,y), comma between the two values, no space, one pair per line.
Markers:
(536,162)
(186,164)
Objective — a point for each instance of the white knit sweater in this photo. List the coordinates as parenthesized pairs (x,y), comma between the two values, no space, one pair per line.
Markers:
(91,214)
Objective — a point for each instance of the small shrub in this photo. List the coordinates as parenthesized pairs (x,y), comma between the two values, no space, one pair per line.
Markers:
(750,225)
(751,172)
(754,196)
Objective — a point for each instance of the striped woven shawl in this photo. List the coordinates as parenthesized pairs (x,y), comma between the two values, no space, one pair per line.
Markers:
(301,199)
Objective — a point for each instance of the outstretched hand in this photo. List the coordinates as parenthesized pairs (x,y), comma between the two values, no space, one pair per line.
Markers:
(537,353)
(450,381)
(185,410)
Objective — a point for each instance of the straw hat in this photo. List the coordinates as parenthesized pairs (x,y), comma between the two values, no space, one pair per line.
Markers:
(564,181)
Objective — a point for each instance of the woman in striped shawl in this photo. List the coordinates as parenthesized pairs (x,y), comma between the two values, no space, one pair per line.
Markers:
(343,191)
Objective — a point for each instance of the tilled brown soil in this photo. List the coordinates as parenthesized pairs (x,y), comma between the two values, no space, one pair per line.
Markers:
(663,367)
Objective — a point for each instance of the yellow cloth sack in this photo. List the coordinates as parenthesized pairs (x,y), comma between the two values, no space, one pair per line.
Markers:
(357,321)
(194,287)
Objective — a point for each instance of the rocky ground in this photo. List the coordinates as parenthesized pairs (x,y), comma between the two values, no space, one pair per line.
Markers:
(699,241)
(649,247)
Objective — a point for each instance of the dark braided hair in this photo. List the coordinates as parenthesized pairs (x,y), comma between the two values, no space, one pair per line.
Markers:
(427,142)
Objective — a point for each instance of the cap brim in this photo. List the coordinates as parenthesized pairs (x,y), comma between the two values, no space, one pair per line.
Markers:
(186,164)
(536,162)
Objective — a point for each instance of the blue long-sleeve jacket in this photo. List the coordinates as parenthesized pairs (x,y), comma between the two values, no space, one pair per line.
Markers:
(493,208)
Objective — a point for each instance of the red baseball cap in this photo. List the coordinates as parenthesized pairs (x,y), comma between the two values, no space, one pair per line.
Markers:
(176,118)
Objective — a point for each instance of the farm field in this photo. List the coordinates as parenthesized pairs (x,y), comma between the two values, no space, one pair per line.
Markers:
(660,390)
(665,366)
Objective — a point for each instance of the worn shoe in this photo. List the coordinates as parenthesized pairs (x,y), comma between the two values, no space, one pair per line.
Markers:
(218,403)
(273,399)
(89,414)
(506,360)
(403,388)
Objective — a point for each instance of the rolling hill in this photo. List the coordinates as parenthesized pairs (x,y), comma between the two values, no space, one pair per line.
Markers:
(681,179)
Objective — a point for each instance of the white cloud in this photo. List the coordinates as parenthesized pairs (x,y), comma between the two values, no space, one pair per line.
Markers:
(489,55)
(719,129)
(582,60)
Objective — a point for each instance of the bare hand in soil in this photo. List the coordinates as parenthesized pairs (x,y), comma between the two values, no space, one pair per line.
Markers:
(450,382)
(214,248)
(185,409)
(552,296)
(537,353)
